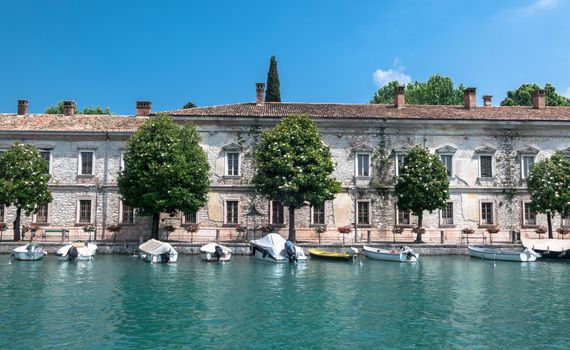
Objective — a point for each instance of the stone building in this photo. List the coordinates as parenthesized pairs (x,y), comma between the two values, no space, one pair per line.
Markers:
(488,152)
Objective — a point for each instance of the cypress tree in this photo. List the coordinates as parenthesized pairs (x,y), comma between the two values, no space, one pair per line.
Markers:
(272,94)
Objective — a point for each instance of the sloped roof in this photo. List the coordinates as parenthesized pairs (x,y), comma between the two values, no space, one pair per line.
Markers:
(75,123)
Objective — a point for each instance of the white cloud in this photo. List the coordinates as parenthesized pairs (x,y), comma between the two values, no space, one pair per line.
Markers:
(383,77)
(566,93)
(538,5)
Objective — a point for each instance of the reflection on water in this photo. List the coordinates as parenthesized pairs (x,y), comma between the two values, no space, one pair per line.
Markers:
(442,302)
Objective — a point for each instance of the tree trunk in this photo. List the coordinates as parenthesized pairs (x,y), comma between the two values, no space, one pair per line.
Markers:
(419,233)
(292,233)
(549,221)
(155,222)
(17,236)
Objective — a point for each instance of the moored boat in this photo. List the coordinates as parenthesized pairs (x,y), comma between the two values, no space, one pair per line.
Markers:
(527,255)
(404,254)
(28,252)
(215,252)
(351,254)
(77,251)
(275,248)
(157,252)
(549,248)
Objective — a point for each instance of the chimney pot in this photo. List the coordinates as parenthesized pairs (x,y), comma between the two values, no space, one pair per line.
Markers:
(22,107)
(259,90)
(539,99)
(68,107)
(470,97)
(143,108)
(400,97)
(487,100)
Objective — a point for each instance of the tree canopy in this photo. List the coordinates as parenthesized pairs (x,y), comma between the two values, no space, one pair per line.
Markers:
(93,110)
(549,187)
(273,93)
(23,181)
(294,167)
(437,90)
(166,170)
(522,96)
(189,105)
(422,184)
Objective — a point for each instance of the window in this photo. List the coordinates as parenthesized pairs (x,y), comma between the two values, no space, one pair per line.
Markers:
(122,166)
(128,214)
(232,164)
(319,214)
(447,214)
(363,213)
(487,217)
(42,214)
(400,159)
(86,161)
(526,165)
(190,217)
(486,166)
(1,213)
(447,160)
(84,211)
(404,217)
(46,155)
(277,212)
(363,164)
(529,215)
(232,212)
(565,220)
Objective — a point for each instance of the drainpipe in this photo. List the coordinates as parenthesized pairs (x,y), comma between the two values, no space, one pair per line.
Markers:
(106,184)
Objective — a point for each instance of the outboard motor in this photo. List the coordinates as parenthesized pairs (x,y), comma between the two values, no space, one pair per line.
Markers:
(291,251)
(165,257)
(72,253)
(219,252)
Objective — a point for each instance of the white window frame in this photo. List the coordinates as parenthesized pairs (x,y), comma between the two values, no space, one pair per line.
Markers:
(397,161)
(526,204)
(493,213)
(80,162)
(492,165)
(226,211)
(226,167)
(313,215)
(78,209)
(441,220)
(452,165)
(368,202)
(523,156)
(398,223)
(43,150)
(48,215)
(357,164)
(121,207)
(122,162)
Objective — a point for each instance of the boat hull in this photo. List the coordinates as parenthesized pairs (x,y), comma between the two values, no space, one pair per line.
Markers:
(261,255)
(549,248)
(213,257)
(389,255)
(494,254)
(321,254)
(85,252)
(157,258)
(28,257)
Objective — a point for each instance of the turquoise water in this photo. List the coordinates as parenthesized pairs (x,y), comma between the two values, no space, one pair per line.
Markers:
(441,303)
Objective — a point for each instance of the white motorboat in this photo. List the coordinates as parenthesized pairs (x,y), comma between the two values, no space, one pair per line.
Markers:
(404,254)
(77,251)
(275,248)
(549,248)
(506,255)
(157,252)
(215,252)
(28,252)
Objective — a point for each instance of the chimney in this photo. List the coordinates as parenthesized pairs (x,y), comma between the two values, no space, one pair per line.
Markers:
(539,99)
(68,107)
(470,97)
(400,96)
(143,108)
(22,107)
(487,100)
(259,89)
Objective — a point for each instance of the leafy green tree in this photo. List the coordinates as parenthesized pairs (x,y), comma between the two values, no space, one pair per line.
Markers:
(523,96)
(189,105)
(438,90)
(272,94)
(166,170)
(55,109)
(23,181)
(94,110)
(294,167)
(549,187)
(422,185)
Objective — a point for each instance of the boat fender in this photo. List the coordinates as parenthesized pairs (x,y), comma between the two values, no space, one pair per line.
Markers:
(219,252)
(72,253)
(291,251)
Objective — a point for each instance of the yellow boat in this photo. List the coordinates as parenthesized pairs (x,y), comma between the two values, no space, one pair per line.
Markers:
(321,254)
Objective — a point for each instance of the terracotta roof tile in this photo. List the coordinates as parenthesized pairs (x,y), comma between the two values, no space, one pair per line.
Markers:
(76,123)
(374,111)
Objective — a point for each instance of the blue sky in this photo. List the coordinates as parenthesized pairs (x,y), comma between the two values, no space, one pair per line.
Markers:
(112,53)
